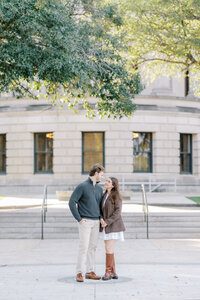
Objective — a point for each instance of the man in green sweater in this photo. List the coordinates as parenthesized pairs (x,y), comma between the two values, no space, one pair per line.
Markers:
(85,207)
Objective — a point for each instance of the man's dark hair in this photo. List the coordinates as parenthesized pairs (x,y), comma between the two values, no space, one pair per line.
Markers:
(96,168)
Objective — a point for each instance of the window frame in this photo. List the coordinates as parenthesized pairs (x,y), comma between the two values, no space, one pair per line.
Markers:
(41,152)
(190,153)
(151,152)
(4,153)
(103,142)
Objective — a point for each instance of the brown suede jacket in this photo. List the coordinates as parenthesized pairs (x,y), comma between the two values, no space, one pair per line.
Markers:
(112,215)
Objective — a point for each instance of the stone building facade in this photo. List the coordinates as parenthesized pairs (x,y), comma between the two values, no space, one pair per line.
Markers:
(159,145)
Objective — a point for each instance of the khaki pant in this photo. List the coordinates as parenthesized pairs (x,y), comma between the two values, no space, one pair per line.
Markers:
(88,234)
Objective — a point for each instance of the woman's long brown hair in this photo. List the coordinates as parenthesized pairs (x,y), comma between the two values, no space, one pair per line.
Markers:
(115,193)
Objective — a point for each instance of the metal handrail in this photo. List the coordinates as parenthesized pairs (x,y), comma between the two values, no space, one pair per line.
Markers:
(43,211)
(153,181)
(145,209)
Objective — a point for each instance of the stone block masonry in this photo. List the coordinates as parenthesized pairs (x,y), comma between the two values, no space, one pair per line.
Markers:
(165,126)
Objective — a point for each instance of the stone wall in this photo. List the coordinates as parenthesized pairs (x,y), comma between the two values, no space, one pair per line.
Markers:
(165,117)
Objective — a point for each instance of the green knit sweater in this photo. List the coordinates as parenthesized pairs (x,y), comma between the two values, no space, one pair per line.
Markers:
(85,201)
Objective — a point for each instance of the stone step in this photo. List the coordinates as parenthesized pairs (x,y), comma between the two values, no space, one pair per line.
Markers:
(24,212)
(75,229)
(53,214)
(127,236)
(174,229)
(175,224)
(181,218)
(15,225)
(15,235)
(172,235)
(132,230)
(58,224)
(129,228)
(63,229)
(51,222)
(195,213)
(20,225)
(32,222)
(162,235)
(126,217)
(31,230)
(19,220)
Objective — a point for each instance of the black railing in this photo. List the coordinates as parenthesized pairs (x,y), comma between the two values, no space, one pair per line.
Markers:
(43,211)
(145,209)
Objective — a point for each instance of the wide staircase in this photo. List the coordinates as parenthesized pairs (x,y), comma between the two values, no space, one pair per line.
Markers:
(26,224)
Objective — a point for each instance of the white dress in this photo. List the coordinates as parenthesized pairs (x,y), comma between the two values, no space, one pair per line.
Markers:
(112,235)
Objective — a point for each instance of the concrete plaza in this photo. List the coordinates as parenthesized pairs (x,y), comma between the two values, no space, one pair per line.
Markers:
(147,269)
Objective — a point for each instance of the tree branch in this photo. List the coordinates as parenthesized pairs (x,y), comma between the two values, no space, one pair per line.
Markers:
(159,59)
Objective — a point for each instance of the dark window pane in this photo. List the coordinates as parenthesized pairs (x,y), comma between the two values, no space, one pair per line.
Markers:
(185,163)
(49,162)
(2,163)
(41,162)
(93,149)
(185,153)
(3,153)
(93,141)
(91,158)
(142,151)
(44,152)
(40,142)
(2,143)
(185,143)
(141,162)
(49,139)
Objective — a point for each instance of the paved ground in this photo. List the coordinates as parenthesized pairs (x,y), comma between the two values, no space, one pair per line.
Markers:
(148,269)
(158,202)
(168,199)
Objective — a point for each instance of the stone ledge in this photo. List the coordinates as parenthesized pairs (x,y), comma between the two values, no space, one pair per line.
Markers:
(63,195)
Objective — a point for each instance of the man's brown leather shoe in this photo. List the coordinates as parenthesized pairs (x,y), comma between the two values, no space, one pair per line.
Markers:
(92,275)
(79,277)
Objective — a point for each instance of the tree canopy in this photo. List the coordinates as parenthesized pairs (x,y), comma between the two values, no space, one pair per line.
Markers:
(72,48)
(163,35)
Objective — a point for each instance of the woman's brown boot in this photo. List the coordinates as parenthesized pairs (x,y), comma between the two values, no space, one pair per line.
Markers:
(113,270)
(109,262)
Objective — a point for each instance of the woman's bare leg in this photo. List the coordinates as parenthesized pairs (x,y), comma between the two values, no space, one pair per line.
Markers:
(110,246)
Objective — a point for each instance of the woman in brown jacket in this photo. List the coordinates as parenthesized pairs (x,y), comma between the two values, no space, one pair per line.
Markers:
(112,227)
